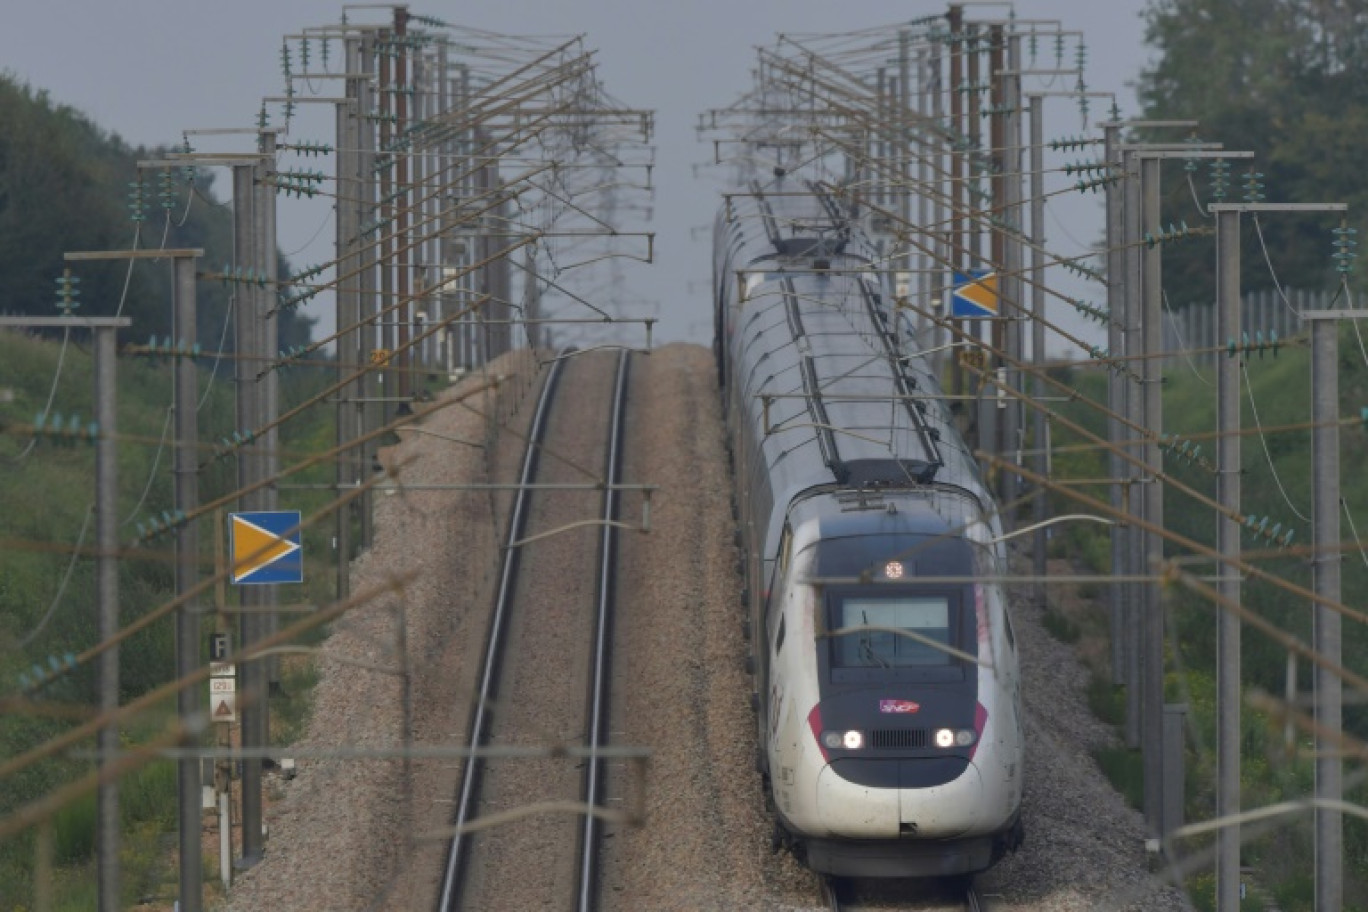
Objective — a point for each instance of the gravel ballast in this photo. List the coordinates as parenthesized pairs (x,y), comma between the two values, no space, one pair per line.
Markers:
(343,834)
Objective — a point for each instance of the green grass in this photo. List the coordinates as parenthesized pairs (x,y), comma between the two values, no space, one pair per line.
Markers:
(290,711)
(1060,627)
(46,500)
(1276,467)
(1106,700)
(73,831)
(1202,890)
(1125,770)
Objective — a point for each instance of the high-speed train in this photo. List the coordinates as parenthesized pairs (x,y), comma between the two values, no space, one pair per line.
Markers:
(885,670)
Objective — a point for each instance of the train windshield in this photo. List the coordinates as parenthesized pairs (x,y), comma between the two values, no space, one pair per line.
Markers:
(898,632)
(895,624)
(882,634)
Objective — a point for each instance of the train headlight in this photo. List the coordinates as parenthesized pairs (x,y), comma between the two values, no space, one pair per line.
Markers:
(949,737)
(893,570)
(849,740)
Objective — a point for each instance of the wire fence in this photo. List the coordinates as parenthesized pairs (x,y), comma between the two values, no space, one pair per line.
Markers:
(1193,328)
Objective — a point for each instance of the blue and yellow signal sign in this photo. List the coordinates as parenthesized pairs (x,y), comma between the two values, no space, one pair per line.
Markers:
(265,547)
(974,296)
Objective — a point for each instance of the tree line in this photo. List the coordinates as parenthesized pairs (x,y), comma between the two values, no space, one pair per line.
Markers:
(1286,79)
(67,184)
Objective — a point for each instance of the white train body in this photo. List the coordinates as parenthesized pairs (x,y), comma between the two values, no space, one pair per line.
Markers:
(886,680)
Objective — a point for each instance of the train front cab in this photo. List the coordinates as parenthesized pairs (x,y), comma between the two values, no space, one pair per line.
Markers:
(908,762)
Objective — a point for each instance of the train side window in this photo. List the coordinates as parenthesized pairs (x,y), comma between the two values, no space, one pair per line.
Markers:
(1007,624)
(778,570)
(779,639)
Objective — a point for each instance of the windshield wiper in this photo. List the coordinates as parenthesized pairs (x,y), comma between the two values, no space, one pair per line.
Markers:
(867,645)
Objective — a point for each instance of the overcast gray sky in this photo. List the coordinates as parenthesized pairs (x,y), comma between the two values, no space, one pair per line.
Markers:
(147,69)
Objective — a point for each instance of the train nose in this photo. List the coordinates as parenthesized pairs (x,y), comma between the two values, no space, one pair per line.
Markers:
(941,811)
(855,810)
(889,798)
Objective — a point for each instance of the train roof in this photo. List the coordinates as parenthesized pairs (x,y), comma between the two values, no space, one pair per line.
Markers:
(836,387)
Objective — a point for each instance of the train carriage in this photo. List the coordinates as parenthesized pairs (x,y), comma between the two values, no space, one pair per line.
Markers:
(885,672)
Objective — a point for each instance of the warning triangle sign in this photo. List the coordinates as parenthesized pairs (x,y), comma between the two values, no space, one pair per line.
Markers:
(255,547)
(223,709)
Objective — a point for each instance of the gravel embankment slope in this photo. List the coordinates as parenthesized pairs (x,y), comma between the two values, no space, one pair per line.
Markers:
(343,832)
(1084,846)
(343,836)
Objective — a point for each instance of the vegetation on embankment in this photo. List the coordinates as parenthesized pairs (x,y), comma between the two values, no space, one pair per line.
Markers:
(64,187)
(1277,482)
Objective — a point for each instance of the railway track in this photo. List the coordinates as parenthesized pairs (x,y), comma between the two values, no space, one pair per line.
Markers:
(841,894)
(545,670)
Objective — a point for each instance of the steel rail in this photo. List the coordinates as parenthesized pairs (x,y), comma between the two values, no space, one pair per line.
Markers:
(597,733)
(457,854)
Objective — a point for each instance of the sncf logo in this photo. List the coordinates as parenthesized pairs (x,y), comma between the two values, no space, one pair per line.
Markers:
(899,706)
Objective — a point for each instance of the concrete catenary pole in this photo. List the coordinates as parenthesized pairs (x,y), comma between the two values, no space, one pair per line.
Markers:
(919,264)
(959,186)
(1228,543)
(251,675)
(1011,286)
(386,194)
(267,380)
(185,402)
(371,387)
(903,149)
(1116,403)
(1039,425)
(1134,411)
(106,584)
(983,429)
(1140,316)
(1152,550)
(942,280)
(402,86)
(1326,622)
(347,301)
(107,595)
